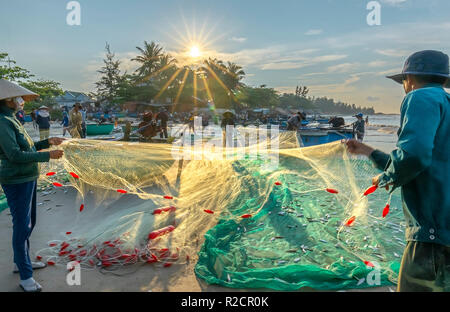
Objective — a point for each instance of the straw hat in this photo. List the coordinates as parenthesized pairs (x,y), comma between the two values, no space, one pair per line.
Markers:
(11,90)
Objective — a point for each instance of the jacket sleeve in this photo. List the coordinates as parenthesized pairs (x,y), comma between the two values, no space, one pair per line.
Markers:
(420,120)
(8,143)
(379,159)
(42,145)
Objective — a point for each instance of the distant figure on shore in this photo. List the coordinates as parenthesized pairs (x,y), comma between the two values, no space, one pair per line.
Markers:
(83,123)
(33,119)
(336,122)
(367,120)
(227,120)
(43,122)
(20,115)
(147,127)
(191,122)
(65,122)
(75,121)
(359,127)
(295,122)
(163,118)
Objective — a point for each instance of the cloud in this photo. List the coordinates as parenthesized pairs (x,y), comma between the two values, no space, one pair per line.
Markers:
(372,98)
(302,62)
(314,32)
(393,2)
(342,68)
(377,64)
(392,52)
(239,39)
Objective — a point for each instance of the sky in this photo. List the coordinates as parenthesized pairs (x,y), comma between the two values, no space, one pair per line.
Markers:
(326,45)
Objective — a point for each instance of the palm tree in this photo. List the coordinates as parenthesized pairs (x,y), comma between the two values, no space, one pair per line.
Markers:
(149,59)
(235,74)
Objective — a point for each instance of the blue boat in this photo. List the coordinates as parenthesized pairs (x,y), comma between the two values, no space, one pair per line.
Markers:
(317,136)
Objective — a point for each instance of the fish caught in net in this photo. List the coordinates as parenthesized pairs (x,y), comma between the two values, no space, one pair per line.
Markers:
(283,219)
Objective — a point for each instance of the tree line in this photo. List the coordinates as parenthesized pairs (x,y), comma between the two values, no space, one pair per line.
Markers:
(160,78)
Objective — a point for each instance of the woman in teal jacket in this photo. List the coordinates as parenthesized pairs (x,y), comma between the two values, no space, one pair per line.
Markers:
(19,171)
(420,166)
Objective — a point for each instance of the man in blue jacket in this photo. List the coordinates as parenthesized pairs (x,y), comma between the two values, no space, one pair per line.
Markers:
(420,167)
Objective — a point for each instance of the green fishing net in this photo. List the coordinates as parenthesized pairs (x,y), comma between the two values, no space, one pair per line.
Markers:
(266,215)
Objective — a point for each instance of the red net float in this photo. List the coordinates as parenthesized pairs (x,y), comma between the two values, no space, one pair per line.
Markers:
(63,253)
(368,263)
(208,211)
(83,253)
(246,216)
(68,233)
(64,245)
(152,259)
(161,232)
(49,174)
(168,197)
(50,262)
(38,258)
(277,183)
(166,209)
(386,210)
(370,190)
(91,262)
(168,264)
(52,244)
(350,221)
(57,184)
(332,191)
(81,207)
(74,175)
(122,191)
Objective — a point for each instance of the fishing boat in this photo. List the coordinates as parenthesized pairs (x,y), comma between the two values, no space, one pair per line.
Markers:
(99,129)
(316,136)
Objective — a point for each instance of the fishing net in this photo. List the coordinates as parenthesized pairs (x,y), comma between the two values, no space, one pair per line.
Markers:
(260,215)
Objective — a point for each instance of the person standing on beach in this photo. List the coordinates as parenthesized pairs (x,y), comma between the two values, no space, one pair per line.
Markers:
(295,123)
(163,116)
(75,121)
(19,171)
(420,167)
(359,127)
(83,122)
(33,119)
(43,121)
(65,122)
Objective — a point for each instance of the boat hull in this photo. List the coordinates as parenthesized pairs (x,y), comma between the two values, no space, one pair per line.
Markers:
(102,129)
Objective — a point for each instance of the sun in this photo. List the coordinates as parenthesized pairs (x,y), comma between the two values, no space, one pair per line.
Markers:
(194,52)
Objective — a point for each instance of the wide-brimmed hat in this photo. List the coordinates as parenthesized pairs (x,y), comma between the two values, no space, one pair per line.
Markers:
(428,62)
(10,90)
(43,107)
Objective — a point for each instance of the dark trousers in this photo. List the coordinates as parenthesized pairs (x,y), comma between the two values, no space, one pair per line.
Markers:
(163,132)
(22,204)
(425,267)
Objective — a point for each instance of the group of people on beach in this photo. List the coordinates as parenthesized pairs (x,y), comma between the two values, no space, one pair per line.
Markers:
(419,166)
